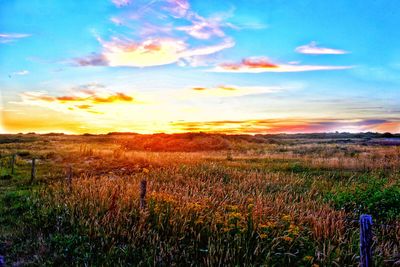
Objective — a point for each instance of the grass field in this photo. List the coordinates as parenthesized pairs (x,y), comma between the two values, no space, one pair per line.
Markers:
(212,200)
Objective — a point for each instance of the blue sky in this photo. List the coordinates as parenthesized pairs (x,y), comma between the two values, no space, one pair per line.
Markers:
(178,65)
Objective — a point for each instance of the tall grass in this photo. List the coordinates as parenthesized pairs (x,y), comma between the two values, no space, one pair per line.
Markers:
(271,206)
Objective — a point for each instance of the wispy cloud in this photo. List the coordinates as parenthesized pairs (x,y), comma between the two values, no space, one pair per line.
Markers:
(85,96)
(121,3)
(151,52)
(11,37)
(19,73)
(313,49)
(234,90)
(88,98)
(202,28)
(262,64)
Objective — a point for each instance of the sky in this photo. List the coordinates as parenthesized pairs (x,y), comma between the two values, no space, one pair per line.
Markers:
(229,66)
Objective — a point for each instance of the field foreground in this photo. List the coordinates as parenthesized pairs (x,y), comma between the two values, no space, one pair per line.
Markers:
(212,200)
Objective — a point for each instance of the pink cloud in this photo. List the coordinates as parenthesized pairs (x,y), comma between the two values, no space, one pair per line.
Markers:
(262,64)
(121,3)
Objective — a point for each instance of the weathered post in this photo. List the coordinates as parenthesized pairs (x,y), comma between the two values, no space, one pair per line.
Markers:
(33,170)
(365,240)
(2,261)
(69,178)
(143,189)
(13,158)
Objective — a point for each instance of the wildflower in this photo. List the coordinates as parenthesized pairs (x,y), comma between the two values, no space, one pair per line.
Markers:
(250,206)
(235,215)
(293,229)
(308,258)
(263,236)
(263,226)
(286,218)
(232,208)
(199,221)
(145,170)
(287,238)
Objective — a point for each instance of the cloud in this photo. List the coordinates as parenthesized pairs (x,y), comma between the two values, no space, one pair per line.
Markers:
(177,8)
(262,64)
(11,37)
(84,106)
(288,125)
(151,52)
(313,49)
(202,28)
(19,73)
(82,98)
(116,20)
(91,60)
(234,90)
(121,3)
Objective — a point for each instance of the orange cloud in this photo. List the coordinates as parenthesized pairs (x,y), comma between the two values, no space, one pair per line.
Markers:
(84,106)
(234,90)
(262,64)
(82,96)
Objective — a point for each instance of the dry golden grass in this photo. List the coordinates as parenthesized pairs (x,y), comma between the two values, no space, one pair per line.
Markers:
(273,205)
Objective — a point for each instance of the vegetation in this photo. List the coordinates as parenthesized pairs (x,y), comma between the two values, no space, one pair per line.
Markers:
(279,200)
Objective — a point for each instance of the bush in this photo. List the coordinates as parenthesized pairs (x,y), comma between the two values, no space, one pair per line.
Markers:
(383,203)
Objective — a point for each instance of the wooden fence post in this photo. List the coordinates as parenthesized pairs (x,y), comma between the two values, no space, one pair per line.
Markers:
(13,157)
(33,170)
(365,240)
(2,261)
(143,189)
(69,178)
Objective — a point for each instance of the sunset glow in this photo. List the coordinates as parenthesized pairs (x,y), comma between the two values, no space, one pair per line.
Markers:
(188,66)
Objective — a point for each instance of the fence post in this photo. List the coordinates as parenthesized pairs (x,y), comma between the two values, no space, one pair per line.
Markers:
(2,261)
(33,170)
(13,157)
(69,178)
(365,240)
(143,185)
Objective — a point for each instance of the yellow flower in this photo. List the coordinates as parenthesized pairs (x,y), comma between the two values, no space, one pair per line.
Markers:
(226,229)
(294,229)
(262,236)
(308,258)
(199,221)
(286,218)
(232,207)
(287,238)
(250,206)
(145,170)
(235,215)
